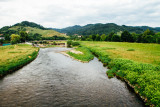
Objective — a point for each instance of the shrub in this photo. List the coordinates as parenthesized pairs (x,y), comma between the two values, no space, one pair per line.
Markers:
(131,50)
(75,43)
(69,43)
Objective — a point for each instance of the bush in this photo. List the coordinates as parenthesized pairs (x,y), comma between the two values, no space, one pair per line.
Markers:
(69,43)
(131,50)
(86,56)
(75,43)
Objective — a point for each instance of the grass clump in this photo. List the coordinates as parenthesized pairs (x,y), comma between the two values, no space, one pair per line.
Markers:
(144,77)
(72,43)
(12,59)
(131,50)
(85,56)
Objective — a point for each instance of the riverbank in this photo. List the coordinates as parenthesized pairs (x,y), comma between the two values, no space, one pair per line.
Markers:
(123,63)
(56,80)
(81,54)
(14,57)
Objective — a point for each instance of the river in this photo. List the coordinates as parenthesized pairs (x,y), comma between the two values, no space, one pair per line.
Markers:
(53,79)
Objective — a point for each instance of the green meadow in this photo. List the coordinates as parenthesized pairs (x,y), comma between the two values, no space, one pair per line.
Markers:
(84,56)
(44,33)
(13,57)
(136,63)
(140,52)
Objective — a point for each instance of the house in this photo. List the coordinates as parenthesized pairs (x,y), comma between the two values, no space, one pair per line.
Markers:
(80,36)
(64,34)
(2,37)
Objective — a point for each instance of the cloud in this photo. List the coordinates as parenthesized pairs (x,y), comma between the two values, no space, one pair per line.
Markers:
(63,13)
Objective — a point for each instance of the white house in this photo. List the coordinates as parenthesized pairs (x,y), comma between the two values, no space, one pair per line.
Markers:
(1,36)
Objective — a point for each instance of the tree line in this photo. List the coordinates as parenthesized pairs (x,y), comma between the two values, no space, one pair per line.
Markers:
(147,36)
(23,36)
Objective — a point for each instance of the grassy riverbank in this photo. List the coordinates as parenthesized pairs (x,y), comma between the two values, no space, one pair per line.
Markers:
(136,63)
(14,57)
(81,53)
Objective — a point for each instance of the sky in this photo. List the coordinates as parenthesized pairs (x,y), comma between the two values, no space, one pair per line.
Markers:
(64,13)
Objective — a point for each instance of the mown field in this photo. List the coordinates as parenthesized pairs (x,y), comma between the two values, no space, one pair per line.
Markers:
(136,63)
(145,53)
(15,56)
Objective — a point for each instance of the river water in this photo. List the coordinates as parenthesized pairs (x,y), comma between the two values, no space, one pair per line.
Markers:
(57,80)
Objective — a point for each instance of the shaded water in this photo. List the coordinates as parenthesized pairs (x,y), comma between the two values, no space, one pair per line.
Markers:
(56,80)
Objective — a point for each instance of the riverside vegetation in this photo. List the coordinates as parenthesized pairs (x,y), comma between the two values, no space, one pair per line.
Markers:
(82,53)
(136,63)
(14,57)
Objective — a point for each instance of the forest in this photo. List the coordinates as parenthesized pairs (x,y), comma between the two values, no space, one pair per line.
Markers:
(147,36)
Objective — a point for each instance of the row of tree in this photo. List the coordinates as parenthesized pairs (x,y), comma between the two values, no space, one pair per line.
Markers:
(147,36)
(23,36)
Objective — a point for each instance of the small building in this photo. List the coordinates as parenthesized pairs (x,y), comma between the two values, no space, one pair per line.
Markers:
(80,36)
(64,34)
(75,34)
(2,37)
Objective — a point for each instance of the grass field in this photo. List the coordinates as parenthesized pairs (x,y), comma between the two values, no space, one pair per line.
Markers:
(84,56)
(145,53)
(14,56)
(136,63)
(44,33)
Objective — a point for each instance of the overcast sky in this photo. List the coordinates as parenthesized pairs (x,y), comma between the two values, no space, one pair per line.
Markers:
(63,13)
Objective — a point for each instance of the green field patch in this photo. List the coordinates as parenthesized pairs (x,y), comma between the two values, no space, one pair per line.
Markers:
(84,56)
(131,50)
(12,59)
(140,69)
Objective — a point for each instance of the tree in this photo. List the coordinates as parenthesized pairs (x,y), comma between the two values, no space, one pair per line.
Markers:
(1,41)
(90,36)
(126,37)
(148,39)
(93,37)
(37,36)
(110,36)
(15,39)
(97,37)
(7,37)
(158,40)
(116,38)
(139,38)
(103,37)
(135,36)
(148,32)
(23,36)
(55,36)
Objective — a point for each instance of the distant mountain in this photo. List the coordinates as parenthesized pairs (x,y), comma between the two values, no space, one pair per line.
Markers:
(30,24)
(104,29)
(30,27)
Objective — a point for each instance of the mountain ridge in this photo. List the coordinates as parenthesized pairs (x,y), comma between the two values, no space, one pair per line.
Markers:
(31,28)
(107,28)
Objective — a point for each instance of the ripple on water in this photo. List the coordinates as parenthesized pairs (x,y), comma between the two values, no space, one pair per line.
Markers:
(56,80)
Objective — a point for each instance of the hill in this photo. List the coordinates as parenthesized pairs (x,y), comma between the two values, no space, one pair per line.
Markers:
(31,28)
(34,30)
(104,29)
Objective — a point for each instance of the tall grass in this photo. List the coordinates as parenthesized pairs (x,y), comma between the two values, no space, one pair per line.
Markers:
(15,56)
